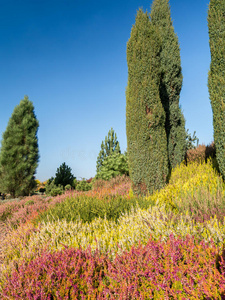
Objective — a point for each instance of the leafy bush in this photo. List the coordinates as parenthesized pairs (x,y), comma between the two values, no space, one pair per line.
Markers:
(68,187)
(56,191)
(112,166)
(83,185)
(52,189)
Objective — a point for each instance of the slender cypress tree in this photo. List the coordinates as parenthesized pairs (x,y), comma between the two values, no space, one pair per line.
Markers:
(145,116)
(216,79)
(170,81)
(110,146)
(19,151)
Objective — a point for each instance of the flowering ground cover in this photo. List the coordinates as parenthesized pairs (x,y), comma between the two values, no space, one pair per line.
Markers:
(175,269)
(168,245)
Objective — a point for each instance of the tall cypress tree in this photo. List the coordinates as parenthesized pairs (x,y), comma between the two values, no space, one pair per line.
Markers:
(145,116)
(19,151)
(170,81)
(216,79)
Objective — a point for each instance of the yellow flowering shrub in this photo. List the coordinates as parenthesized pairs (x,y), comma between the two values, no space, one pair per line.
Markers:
(186,181)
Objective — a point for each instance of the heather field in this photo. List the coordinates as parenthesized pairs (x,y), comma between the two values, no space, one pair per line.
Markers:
(109,244)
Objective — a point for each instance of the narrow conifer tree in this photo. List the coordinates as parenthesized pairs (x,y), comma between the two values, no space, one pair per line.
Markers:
(145,116)
(170,81)
(216,79)
(19,152)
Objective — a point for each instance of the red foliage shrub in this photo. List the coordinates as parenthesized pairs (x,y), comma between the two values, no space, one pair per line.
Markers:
(201,153)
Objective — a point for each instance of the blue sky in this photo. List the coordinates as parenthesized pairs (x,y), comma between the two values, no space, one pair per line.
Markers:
(69,57)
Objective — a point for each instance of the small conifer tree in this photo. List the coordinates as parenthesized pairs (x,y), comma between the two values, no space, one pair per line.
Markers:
(145,116)
(64,175)
(110,146)
(19,151)
(216,79)
(170,81)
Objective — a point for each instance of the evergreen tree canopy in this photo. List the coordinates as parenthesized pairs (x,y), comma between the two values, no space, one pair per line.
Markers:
(108,147)
(19,151)
(145,116)
(216,79)
(170,81)
(64,175)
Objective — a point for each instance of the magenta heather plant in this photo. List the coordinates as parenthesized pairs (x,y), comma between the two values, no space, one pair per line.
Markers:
(68,274)
(175,269)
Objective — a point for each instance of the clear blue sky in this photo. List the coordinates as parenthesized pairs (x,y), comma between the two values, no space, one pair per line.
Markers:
(69,57)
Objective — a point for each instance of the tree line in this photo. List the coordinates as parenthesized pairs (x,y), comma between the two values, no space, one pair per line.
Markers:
(155,124)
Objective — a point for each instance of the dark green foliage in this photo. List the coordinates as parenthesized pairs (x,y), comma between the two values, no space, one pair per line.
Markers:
(111,145)
(58,190)
(170,81)
(113,165)
(216,79)
(19,152)
(64,175)
(83,185)
(145,116)
(88,208)
(42,190)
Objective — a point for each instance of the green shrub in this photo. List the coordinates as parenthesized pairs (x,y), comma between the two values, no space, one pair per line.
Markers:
(75,183)
(114,165)
(52,189)
(83,186)
(56,191)
(68,187)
